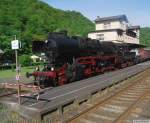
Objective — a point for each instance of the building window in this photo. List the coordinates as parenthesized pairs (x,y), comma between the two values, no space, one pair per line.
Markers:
(123,25)
(100,37)
(107,25)
(119,32)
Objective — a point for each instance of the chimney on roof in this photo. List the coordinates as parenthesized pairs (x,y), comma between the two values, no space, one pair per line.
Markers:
(98,17)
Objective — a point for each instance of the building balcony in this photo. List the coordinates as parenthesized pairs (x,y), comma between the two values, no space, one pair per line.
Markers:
(128,39)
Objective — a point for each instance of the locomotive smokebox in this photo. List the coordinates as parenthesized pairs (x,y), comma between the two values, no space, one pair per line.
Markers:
(61,48)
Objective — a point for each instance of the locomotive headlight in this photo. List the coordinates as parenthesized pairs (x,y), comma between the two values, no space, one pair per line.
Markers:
(52,68)
(46,41)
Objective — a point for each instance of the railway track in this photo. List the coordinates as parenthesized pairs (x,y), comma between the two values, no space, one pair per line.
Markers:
(103,98)
(122,107)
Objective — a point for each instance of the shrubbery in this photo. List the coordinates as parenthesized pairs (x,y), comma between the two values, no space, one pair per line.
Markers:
(7,67)
(25,60)
(38,63)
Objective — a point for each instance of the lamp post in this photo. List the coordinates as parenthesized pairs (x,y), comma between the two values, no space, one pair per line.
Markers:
(15,46)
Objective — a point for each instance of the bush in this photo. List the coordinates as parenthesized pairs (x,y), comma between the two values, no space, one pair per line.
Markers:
(38,63)
(7,67)
(25,60)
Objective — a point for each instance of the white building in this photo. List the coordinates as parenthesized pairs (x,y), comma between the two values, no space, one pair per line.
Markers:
(116,29)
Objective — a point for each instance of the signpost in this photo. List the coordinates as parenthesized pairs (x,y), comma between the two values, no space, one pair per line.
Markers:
(15,44)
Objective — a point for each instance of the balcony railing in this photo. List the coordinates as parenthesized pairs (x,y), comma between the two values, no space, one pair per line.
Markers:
(128,39)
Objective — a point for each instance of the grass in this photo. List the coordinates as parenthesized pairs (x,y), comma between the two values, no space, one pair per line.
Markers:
(11,74)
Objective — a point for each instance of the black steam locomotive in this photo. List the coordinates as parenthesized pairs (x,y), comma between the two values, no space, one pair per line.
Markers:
(74,58)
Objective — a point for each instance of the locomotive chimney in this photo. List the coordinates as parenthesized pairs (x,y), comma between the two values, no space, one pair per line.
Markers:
(64,32)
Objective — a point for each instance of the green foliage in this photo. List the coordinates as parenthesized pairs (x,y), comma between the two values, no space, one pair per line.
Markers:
(145,36)
(25,60)
(33,19)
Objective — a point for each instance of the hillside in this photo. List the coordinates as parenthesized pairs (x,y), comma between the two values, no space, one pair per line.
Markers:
(145,36)
(33,19)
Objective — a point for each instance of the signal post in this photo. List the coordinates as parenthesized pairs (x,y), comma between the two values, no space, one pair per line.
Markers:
(15,44)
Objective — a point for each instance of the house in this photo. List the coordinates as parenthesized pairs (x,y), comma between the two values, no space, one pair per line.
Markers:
(115,29)
(35,58)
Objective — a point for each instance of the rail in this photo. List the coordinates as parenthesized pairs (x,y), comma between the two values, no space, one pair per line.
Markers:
(120,106)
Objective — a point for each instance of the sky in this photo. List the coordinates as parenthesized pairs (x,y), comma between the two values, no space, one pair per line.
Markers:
(137,11)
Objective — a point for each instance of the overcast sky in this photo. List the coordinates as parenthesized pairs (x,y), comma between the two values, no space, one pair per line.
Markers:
(137,11)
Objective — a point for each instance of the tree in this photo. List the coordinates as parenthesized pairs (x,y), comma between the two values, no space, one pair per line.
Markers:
(25,60)
(33,19)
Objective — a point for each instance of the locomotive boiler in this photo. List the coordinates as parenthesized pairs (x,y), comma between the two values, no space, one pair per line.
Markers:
(59,48)
(74,58)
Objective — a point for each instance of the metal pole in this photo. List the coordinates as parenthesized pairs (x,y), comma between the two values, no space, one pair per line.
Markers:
(17,75)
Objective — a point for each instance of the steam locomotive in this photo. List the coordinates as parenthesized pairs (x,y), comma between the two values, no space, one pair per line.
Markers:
(75,58)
